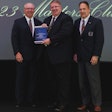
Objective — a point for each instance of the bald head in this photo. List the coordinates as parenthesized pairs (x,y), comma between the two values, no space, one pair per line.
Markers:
(29,5)
(29,9)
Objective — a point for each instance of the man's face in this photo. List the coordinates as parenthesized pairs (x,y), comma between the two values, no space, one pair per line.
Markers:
(84,10)
(29,10)
(55,9)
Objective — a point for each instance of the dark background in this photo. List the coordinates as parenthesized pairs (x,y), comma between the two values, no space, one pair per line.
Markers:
(8,75)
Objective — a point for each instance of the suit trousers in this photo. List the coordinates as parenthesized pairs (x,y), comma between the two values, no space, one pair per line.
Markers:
(90,84)
(26,81)
(59,76)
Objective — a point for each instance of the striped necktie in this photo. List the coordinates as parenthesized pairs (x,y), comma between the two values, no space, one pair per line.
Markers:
(30,25)
(83,26)
(51,24)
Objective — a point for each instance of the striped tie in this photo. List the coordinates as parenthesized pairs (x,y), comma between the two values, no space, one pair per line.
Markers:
(83,26)
(30,25)
(51,24)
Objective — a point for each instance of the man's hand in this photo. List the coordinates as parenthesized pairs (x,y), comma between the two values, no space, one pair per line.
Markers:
(19,57)
(46,42)
(44,25)
(94,60)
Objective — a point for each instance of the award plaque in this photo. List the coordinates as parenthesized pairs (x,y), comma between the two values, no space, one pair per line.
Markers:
(40,34)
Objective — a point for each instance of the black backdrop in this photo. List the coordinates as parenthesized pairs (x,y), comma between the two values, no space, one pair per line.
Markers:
(8,75)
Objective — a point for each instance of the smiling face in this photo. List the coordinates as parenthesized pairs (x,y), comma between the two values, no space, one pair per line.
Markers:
(29,10)
(84,10)
(55,8)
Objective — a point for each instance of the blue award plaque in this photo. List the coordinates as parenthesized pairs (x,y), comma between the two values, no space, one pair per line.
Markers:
(40,34)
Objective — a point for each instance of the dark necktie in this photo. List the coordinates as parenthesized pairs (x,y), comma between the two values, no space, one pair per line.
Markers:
(30,25)
(83,26)
(51,24)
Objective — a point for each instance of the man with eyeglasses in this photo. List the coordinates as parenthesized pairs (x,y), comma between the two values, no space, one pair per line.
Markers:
(58,52)
(25,52)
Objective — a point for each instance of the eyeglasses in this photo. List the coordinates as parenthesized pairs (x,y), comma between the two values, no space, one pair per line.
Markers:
(54,7)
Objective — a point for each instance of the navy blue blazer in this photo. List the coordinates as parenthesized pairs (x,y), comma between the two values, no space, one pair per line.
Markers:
(60,49)
(22,40)
(90,42)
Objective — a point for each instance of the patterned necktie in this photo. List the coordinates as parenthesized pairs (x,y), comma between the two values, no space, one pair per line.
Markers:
(30,25)
(51,24)
(83,26)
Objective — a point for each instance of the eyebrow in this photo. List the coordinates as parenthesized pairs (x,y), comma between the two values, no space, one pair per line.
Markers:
(55,6)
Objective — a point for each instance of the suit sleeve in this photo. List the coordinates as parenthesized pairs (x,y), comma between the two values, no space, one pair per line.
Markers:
(99,38)
(74,40)
(15,37)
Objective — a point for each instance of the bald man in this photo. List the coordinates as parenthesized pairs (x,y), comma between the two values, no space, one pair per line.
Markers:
(25,52)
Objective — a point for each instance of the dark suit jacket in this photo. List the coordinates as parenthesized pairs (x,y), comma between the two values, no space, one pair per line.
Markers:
(22,40)
(60,49)
(90,42)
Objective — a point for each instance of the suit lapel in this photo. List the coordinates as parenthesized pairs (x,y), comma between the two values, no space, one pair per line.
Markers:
(25,23)
(49,20)
(57,21)
(78,26)
(88,25)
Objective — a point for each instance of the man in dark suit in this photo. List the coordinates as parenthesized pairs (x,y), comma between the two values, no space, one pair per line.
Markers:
(58,50)
(88,44)
(25,52)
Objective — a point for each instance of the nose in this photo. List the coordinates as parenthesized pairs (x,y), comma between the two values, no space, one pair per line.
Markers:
(53,8)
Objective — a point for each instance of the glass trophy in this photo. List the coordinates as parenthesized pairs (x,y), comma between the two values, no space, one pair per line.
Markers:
(40,34)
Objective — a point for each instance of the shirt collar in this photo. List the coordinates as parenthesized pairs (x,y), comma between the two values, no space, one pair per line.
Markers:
(54,17)
(85,19)
(27,18)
